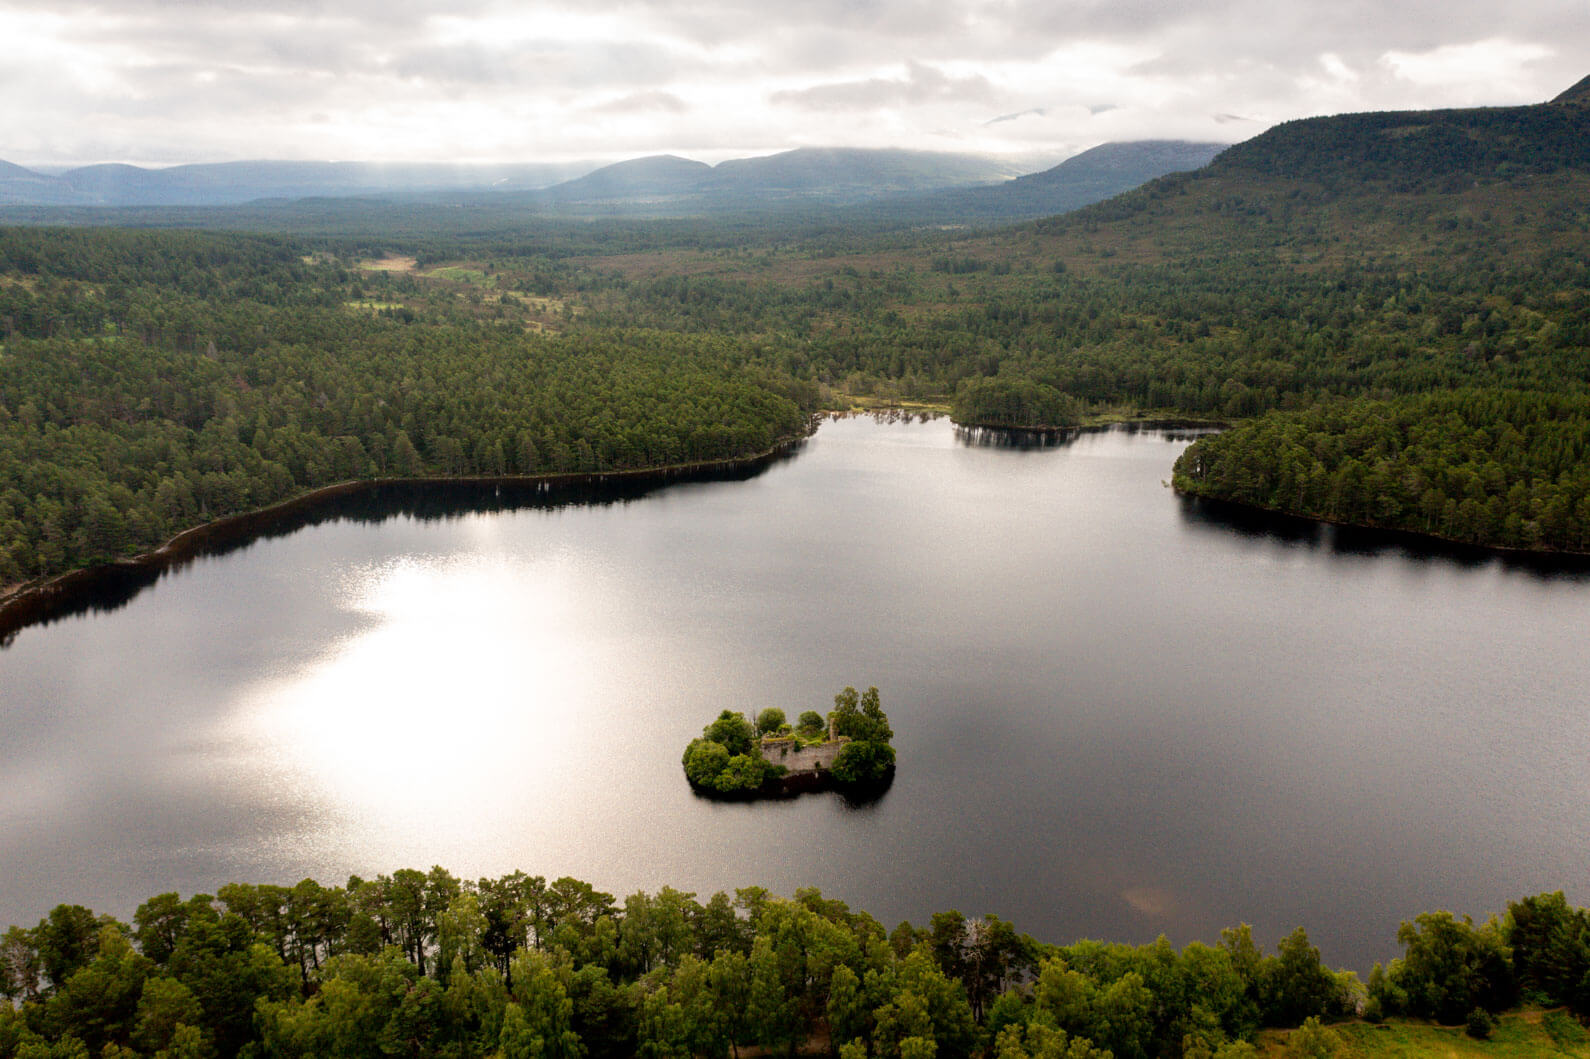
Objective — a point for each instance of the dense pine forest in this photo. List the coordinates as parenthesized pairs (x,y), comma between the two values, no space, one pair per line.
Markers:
(1502,466)
(423,963)
(154,381)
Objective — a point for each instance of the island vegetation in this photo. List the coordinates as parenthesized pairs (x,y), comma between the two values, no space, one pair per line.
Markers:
(848,750)
(426,964)
(1014,404)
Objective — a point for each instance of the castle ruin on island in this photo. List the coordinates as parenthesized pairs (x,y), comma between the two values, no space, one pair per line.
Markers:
(788,751)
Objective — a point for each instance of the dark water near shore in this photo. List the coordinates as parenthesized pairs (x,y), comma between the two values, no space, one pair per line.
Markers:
(1119,713)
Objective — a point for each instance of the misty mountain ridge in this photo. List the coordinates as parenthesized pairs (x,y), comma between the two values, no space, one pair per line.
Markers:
(235,183)
(878,186)
(1096,174)
(666,185)
(653,175)
(813,169)
(827,175)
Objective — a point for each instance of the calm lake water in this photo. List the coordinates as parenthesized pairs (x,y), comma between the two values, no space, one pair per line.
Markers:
(1117,715)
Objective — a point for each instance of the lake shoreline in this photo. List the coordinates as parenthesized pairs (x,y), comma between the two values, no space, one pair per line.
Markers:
(794,784)
(1093,425)
(1390,534)
(32,602)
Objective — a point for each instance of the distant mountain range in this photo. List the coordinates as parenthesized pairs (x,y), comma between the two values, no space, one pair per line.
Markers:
(232,183)
(1092,176)
(665,183)
(931,185)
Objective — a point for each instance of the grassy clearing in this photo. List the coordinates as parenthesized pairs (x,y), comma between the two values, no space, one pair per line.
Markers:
(800,741)
(839,401)
(542,304)
(463,274)
(843,402)
(1111,415)
(1531,1034)
(390,264)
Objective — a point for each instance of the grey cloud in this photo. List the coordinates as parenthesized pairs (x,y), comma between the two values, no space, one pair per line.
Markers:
(1289,38)
(190,77)
(922,84)
(642,103)
(1266,28)
(1031,112)
(720,21)
(459,63)
(211,39)
(1110,18)
(545,63)
(397,14)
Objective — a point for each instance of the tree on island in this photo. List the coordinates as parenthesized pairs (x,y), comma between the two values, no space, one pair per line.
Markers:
(724,759)
(863,762)
(868,757)
(733,731)
(860,717)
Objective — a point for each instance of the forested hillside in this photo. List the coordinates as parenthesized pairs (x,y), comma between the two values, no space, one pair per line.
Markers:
(152,381)
(426,964)
(1438,149)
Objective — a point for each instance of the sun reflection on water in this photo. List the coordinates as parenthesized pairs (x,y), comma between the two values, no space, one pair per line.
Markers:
(460,676)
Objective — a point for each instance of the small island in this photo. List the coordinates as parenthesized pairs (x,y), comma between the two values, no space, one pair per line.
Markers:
(1015,403)
(848,751)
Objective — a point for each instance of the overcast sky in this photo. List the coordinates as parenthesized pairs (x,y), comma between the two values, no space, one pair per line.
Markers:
(158,81)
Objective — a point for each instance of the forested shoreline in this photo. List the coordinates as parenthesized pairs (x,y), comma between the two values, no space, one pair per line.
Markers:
(131,411)
(1507,468)
(23,603)
(424,963)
